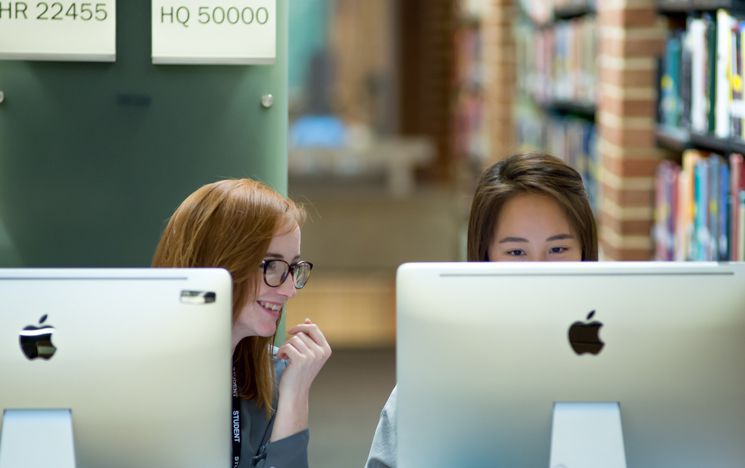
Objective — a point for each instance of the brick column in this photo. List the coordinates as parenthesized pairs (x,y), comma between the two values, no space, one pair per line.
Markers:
(500,85)
(631,37)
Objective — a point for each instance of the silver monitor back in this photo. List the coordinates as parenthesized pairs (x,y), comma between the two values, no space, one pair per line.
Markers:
(483,353)
(142,360)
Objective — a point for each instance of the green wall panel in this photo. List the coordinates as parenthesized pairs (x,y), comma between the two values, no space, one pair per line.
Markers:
(94,156)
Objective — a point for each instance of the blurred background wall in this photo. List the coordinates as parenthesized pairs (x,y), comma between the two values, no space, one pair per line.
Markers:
(94,157)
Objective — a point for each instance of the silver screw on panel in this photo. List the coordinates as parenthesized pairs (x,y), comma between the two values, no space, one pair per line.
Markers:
(2,97)
(267,100)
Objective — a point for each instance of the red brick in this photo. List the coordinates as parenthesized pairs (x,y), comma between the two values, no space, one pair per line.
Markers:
(628,137)
(630,107)
(629,197)
(613,16)
(612,253)
(631,167)
(632,78)
(632,47)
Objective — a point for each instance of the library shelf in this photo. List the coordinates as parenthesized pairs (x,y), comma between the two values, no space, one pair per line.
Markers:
(683,7)
(576,108)
(573,11)
(677,139)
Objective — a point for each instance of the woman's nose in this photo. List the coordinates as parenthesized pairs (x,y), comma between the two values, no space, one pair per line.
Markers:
(288,287)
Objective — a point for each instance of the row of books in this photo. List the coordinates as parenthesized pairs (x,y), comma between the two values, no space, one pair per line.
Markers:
(570,138)
(702,74)
(469,136)
(558,63)
(469,64)
(700,208)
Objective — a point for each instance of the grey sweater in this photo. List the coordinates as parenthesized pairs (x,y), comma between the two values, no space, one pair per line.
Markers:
(384,451)
(256,429)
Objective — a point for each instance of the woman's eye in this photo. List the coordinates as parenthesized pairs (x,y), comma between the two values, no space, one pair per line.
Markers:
(516,253)
(273,267)
(558,250)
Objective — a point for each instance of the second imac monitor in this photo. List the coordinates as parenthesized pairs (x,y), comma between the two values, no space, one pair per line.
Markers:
(485,351)
(135,361)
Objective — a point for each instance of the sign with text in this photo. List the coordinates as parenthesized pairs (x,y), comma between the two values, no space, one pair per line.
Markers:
(214,31)
(68,30)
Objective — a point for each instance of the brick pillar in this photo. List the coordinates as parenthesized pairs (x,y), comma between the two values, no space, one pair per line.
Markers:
(500,82)
(631,37)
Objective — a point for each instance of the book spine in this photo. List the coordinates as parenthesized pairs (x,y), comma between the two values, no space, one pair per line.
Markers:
(712,205)
(700,245)
(723,97)
(741,227)
(696,42)
(723,243)
(736,162)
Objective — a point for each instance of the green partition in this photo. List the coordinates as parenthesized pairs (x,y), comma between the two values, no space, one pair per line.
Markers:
(94,157)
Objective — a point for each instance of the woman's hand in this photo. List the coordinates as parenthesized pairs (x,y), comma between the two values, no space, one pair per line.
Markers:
(306,352)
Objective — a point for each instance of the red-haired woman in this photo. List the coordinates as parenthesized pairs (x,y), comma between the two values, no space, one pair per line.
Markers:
(253,232)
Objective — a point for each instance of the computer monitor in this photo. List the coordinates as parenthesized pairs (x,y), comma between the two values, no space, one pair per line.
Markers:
(484,352)
(140,357)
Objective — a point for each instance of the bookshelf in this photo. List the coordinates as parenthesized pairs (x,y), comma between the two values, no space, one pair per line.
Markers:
(557,84)
(673,139)
(617,100)
(571,108)
(700,189)
(675,7)
(470,144)
(570,10)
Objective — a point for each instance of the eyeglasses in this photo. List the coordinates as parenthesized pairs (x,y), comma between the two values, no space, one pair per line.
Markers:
(276,271)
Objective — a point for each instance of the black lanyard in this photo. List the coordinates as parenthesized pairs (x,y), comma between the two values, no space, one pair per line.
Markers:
(236,428)
(236,423)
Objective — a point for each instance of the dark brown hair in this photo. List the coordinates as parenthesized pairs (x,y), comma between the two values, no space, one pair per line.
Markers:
(229,224)
(529,173)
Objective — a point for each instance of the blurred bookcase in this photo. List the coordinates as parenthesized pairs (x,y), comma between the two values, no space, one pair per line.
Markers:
(557,81)
(470,143)
(700,189)
(585,89)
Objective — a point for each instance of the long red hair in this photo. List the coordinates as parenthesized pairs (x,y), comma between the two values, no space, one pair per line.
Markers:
(229,224)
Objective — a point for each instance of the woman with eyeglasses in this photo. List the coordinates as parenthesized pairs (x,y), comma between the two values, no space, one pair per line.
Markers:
(527,207)
(254,233)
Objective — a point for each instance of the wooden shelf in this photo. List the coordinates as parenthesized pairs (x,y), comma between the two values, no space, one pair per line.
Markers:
(680,140)
(678,7)
(674,139)
(573,11)
(564,13)
(580,109)
(719,145)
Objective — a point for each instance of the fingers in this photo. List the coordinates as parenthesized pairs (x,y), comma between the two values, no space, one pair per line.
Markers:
(290,351)
(313,331)
(299,347)
(314,340)
(303,344)
(302,347)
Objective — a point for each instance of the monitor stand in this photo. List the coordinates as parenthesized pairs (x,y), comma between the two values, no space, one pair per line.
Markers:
(36,437)
(587,435)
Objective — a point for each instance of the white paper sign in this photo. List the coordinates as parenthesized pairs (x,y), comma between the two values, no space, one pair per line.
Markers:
(214,31)
(70,30)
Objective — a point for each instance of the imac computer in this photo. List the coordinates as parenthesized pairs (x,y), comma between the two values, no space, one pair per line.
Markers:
(494,360)
(136,362)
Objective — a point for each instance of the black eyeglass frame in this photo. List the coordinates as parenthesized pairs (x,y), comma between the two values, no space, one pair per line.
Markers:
(291,268)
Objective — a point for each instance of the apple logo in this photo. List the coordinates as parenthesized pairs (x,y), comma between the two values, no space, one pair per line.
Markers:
(584,336)
(36,341)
